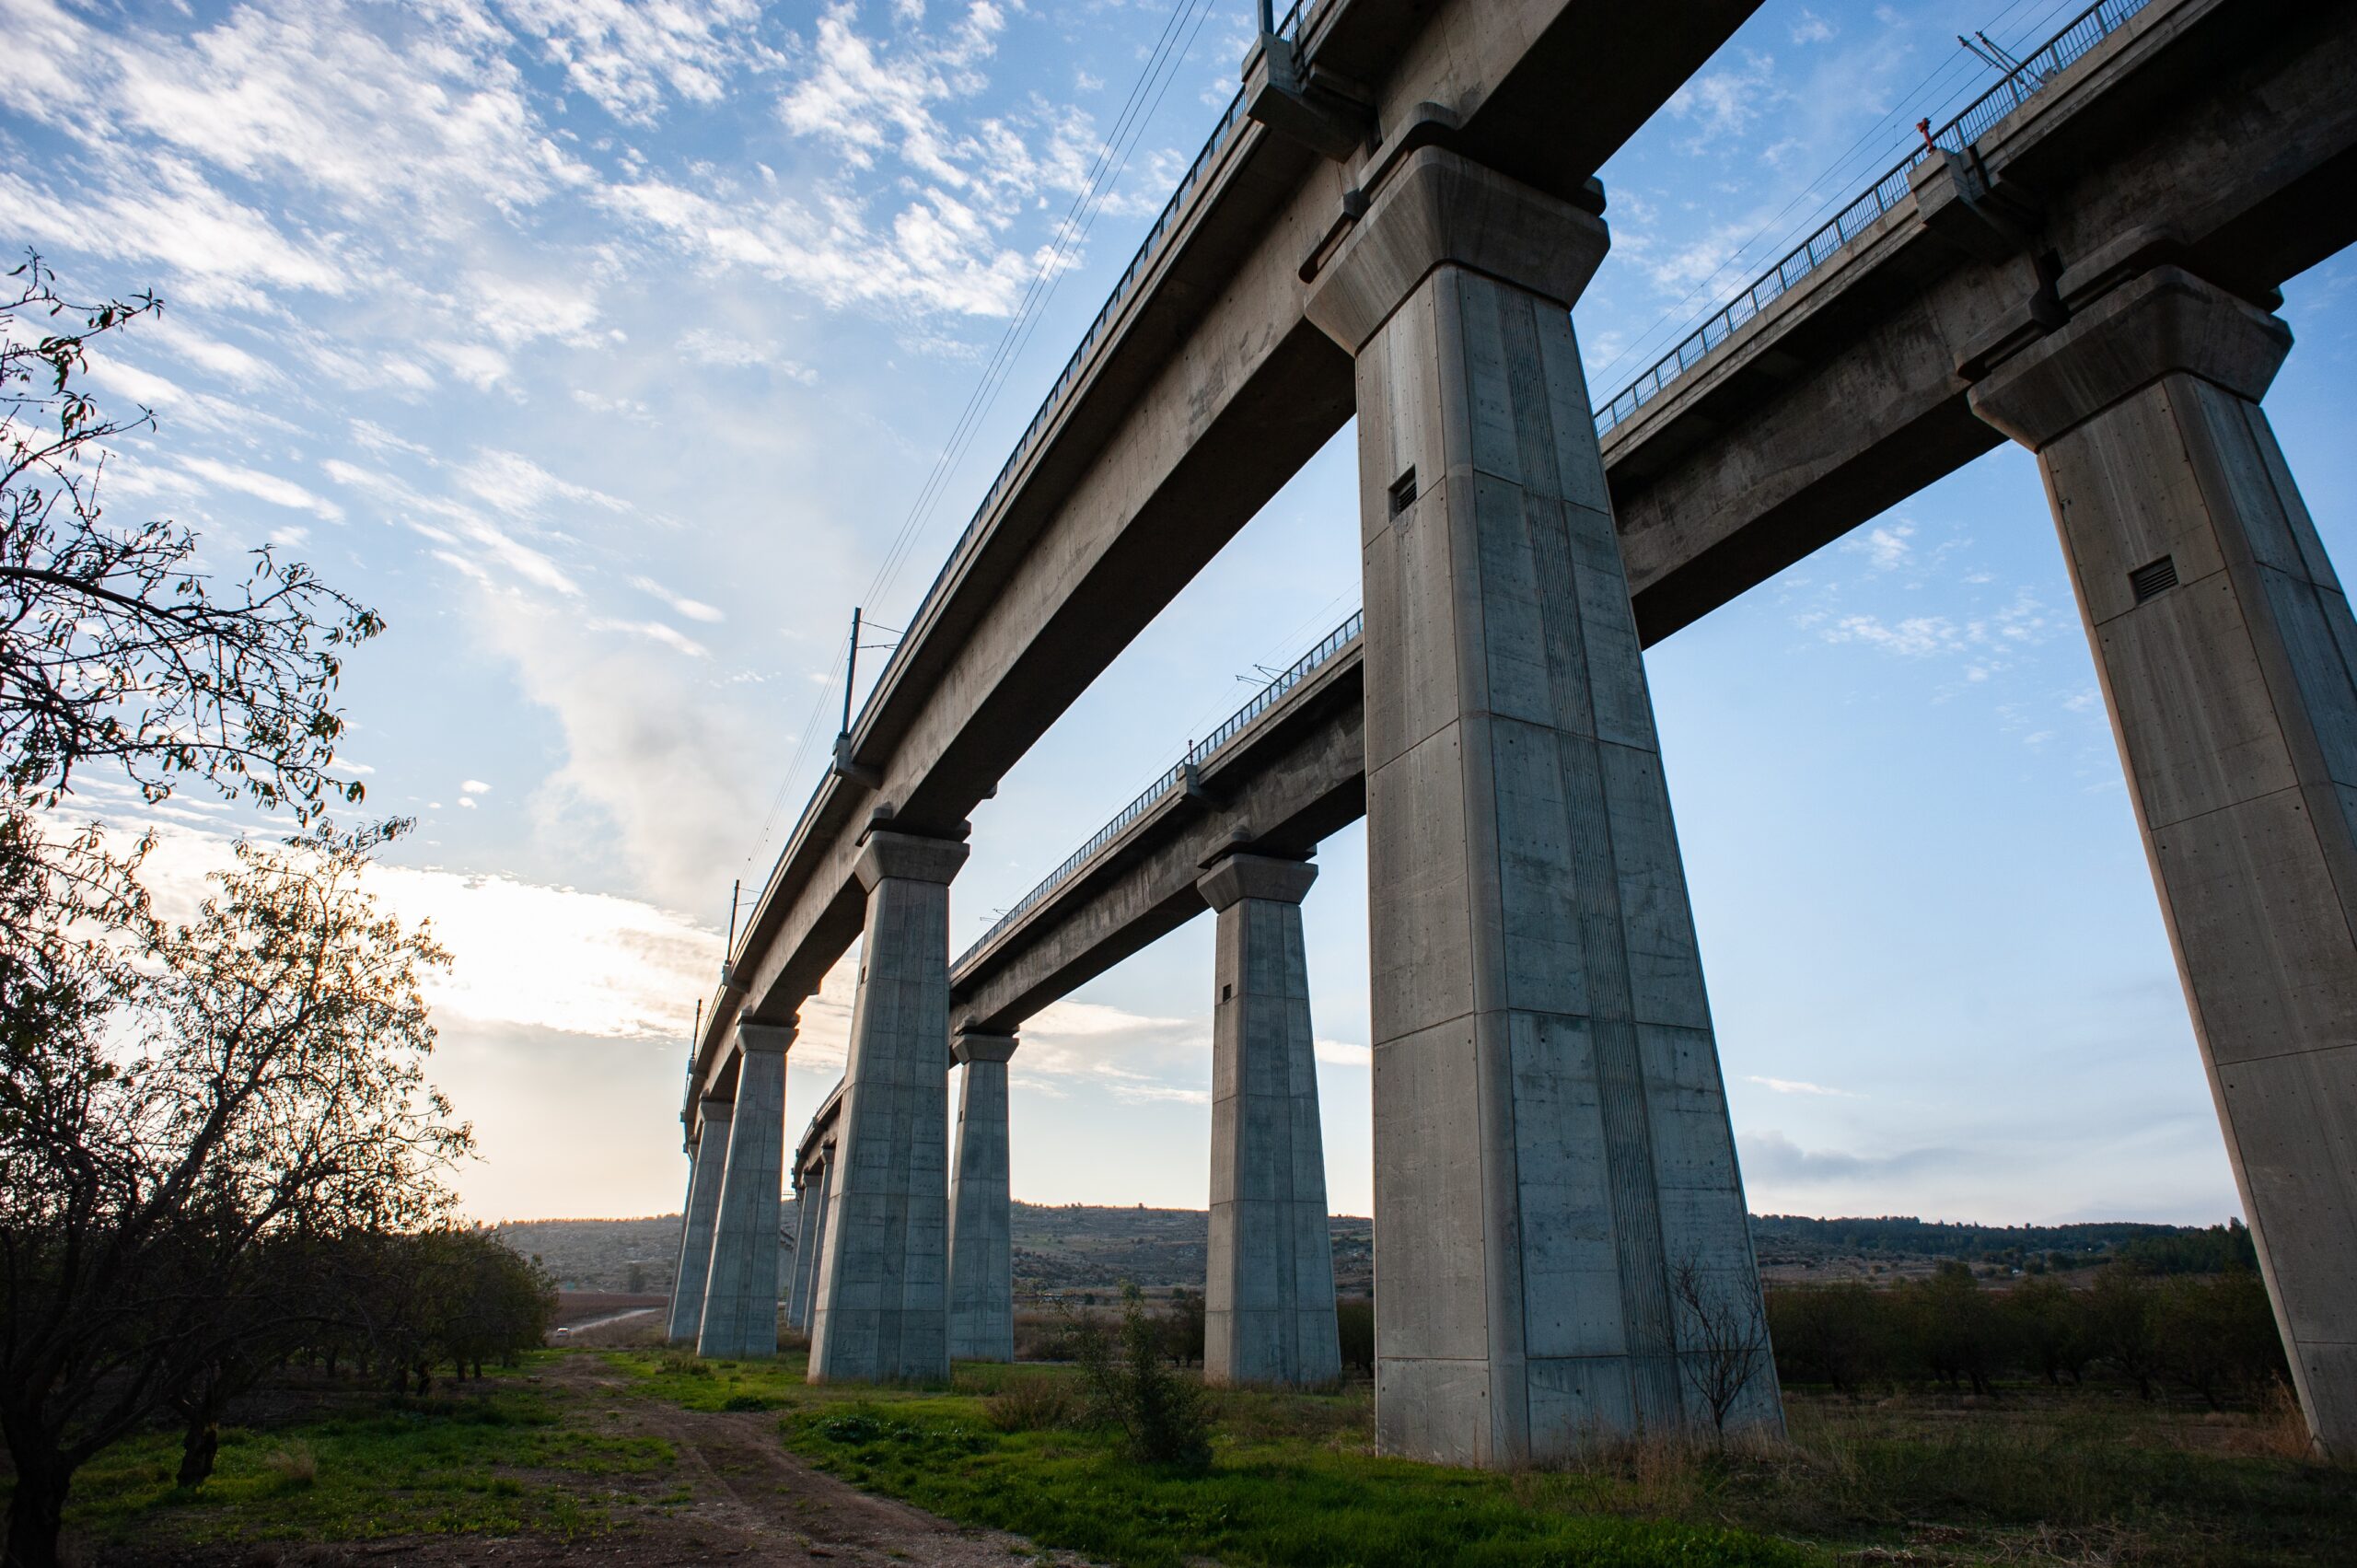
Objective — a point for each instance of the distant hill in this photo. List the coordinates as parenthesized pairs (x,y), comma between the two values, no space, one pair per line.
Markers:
(1085,1247)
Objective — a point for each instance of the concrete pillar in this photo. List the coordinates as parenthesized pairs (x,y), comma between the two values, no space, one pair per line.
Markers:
(1268,1291)
(706,1164)
(882,1311)
(740,1295)
(1551,1143)
(981,1221)
(810,1245)
(2228,658)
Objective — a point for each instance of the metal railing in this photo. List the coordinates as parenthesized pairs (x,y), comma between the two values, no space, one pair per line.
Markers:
(1295,22)
(2090,28)
(1198,753)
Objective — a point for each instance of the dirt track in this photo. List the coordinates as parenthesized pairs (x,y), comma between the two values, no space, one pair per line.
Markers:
(752,1503)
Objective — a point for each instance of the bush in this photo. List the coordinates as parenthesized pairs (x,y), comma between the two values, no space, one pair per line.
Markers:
(1159,1412)
(1840,1334)
(1354,1320)
(294,1465)
(1033,1404)
(2217,1335)
(1955,1327)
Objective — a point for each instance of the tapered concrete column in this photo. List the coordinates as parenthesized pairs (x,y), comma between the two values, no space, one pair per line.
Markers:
(981,1233)
(882,1309)
(704,1166)
(2228,658)
(740,1295)
(809,1245)
(1268,1291)
(1551,1130)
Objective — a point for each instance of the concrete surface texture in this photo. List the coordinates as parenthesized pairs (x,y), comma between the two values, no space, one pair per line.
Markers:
(1551,1138)
(881,1310)
(1204,395)
(705,1162)
(1269,1291)
(2228,658)
(740,1289)
(810,1245)
(981,1241)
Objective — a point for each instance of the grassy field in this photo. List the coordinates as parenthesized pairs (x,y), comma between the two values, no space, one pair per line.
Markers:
(2065,1478)
(2081,1478)
(500,1459)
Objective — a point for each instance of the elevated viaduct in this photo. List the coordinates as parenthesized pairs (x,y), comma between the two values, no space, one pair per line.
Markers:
(2085,267)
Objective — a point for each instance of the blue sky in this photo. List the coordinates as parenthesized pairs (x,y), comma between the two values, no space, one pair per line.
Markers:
(605,348)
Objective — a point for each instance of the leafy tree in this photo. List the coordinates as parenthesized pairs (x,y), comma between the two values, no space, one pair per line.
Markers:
(2122,1327)
(116,645)
(1355,1321)
(2216,1335)
(1183,1327)
(1955,1326)
(262,1080)
(2048,1328)
(1837,1334)
(1159,1412)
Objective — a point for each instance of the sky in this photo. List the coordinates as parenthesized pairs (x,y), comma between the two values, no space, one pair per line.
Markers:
(611,351)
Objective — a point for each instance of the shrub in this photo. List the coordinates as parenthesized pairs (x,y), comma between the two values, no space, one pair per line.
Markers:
(294,1465)
(1955,1327)
(2121,1325)
(1354,1320)
(2048,1329)
(1033,1404)
(1839,1334)
(2217,1335)
(1129,1387)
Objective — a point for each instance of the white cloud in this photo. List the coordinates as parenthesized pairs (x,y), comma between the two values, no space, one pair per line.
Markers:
(655,631)
(1797,1086)
(474,786)
(1771,1157)
(265,486)
(1725,103)
(411,509)
(585,964)
(1811,28)
(625,57)
(706,345)
(1342,1053)
(694,609)
(516,484)
(1885,546)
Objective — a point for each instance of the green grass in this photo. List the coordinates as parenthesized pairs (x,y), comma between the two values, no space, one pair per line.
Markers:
(1291,1482)
(2065,1478)
(489,1461)
(2062,1478)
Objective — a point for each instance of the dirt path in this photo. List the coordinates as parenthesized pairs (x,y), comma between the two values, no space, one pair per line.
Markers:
(747,1500)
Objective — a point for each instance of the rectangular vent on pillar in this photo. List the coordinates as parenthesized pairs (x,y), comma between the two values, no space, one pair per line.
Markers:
(2153,579)
(1403,492)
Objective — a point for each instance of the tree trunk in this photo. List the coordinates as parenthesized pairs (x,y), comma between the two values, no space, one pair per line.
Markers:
(37,1511)
(198,1444)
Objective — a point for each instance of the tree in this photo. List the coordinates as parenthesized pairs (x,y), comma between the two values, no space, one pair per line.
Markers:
(1159,1412)
(1837,1334)
(1355,1324)
(2048,1325)
(1956,1327)
(116,645)
(260,1084)
(2216,1335)
(2121,1325)
(1723,1339)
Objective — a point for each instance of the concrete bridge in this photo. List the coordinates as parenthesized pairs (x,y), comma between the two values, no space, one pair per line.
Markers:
(1393,221)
